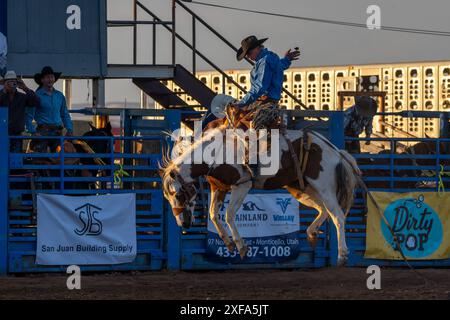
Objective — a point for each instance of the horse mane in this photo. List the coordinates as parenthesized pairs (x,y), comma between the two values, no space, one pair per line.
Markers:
(185,148)
(166,158)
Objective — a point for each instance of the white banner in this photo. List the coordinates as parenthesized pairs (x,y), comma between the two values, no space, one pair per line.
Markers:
(263,215)
(269,223)
(86,230)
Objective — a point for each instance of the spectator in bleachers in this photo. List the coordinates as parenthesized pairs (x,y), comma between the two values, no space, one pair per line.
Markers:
(17,104)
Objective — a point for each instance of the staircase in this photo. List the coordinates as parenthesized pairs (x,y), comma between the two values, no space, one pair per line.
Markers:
(169,99)
(150,78)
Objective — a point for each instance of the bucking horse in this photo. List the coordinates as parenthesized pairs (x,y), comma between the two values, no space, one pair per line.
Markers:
(329,178)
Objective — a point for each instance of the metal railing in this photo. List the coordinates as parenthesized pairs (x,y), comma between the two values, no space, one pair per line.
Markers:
(155,22)
(195,18)
(192,45)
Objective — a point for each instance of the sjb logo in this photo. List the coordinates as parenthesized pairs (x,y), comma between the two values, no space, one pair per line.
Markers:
(416,225)
(92,226)
(283,203)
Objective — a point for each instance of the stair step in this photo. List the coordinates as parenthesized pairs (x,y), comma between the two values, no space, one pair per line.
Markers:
(193,86)
(159,92)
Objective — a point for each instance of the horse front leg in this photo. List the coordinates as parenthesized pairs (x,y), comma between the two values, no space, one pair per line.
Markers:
(217,198)
(238,194)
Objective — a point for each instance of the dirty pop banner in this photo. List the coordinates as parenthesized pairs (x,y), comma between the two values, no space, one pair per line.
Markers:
(421,222)
(268,223)
(86,230)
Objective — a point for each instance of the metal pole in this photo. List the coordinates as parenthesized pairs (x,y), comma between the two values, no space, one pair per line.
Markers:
(67,88)
(445,130)
(98,97)
(173,33)
(223,85)
(173,240)
(194,54)
(135,32)
(4,174)
(98,93)
(144,100)
(154,43)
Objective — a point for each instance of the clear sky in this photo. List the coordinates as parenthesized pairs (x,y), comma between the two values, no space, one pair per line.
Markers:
(321,44)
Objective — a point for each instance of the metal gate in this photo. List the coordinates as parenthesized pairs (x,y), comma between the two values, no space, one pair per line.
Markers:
(160,242)
(28,176)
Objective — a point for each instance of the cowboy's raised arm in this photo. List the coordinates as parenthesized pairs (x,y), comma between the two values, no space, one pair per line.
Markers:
(285,63)
(289,57)
(259,85)
(32,99)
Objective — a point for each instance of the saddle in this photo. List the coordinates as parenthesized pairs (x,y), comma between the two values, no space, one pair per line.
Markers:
(259,115)
(265,115)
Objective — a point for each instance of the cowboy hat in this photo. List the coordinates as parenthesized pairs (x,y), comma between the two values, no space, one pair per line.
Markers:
(45,71)
(366,106)
(248,44)
(219,103)
(9,75)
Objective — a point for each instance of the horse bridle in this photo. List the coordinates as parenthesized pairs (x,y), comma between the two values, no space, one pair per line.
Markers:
(187,190)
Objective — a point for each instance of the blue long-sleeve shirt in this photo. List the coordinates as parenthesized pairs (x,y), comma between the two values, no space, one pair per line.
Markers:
(266,77)
(52,111)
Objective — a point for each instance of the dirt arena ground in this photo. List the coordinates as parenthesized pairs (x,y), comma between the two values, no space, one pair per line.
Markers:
(329,283)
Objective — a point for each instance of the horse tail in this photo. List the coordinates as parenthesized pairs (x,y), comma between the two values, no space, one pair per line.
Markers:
(346,180)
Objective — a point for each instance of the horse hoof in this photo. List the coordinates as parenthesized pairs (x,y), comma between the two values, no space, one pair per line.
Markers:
(312,240)
(230,247)
(342,261)
(243,252)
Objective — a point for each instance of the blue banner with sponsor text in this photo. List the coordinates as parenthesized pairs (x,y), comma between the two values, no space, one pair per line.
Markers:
(269,225)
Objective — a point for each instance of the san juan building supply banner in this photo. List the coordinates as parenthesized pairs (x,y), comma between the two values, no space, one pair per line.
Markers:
(419,220)
(268,223)
(86,230)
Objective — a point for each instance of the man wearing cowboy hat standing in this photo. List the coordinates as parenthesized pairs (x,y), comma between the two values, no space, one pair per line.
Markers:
(267,74)
(357,119)
(52,116)
(17,104)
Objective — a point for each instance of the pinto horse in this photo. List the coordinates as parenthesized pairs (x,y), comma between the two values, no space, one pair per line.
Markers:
(330,176)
